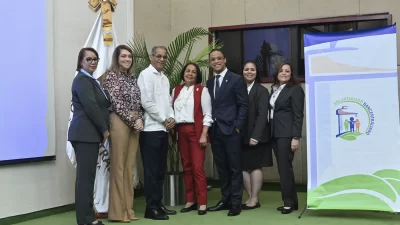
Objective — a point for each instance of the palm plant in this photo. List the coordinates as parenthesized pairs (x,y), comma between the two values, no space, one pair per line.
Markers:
(182,45)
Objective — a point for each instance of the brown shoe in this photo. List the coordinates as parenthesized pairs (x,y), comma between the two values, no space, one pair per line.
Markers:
(102,215)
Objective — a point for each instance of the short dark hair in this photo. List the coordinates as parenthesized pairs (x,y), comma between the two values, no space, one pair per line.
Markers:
(216,50)
(114,62)
(292,82)
(199,76)
(82,54)
(255,65)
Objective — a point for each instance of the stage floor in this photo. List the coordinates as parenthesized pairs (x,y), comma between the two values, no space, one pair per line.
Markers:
(267,214)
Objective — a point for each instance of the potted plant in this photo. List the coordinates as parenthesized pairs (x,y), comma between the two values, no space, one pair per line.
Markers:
(182,45)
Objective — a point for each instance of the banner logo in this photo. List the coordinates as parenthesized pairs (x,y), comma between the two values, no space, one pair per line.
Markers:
(354,118)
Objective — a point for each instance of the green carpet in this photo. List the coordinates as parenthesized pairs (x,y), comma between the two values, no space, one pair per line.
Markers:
(267,214)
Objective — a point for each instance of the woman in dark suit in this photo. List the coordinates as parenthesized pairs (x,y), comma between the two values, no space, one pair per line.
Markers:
(286,119)
(88,129)
(256,153)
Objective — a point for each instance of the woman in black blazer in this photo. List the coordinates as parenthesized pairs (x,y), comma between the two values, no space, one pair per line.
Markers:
(88,129)
(286,119)
(256,152)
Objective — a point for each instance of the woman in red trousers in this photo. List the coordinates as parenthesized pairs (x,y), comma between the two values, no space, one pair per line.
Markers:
(192,106)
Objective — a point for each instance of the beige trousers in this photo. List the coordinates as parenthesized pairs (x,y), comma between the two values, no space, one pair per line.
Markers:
(124,145)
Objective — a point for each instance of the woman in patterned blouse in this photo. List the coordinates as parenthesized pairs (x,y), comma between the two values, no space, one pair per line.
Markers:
(126,121)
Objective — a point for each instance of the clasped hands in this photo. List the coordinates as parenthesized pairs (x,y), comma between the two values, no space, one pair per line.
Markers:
(169,123)
(138,126)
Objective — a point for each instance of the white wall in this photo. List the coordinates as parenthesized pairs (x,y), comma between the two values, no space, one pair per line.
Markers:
(28,188)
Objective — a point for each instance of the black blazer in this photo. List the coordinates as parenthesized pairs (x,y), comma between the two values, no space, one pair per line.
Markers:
(90,116)
(288,112)
(257,126)
(229,109)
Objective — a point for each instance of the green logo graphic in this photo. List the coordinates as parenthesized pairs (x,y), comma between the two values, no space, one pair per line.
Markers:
(354,118)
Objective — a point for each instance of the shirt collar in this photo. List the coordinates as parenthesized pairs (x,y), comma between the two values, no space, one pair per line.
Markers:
(279,88)
(87,73)
(223,73)
(250,86)
(151,67)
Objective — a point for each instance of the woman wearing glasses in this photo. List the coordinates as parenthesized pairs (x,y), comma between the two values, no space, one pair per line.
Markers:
(126,123)
(88,129)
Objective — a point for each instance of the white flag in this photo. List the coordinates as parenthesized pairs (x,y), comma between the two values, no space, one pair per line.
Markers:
(101,187)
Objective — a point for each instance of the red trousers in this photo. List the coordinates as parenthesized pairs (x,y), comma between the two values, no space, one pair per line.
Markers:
(192,156)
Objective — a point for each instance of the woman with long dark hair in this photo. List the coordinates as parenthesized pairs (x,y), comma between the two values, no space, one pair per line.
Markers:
(286,119)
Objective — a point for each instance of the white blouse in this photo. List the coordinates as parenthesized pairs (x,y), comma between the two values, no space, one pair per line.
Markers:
(274,96)
(184,106)
(249,87)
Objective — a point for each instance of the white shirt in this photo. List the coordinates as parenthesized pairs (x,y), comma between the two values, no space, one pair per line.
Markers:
(220,79)
(249,87)
(274,97)
(184,106)
(155,99)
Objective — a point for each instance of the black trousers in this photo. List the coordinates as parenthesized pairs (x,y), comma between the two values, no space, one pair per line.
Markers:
(284,157)
(154,150)
(227,156)
(86,159)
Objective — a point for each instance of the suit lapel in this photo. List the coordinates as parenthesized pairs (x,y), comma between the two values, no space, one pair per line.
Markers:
(98,86)
(282,95)
(211,89)
(252,94)
(223,85)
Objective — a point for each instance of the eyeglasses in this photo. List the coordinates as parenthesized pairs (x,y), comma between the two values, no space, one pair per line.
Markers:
(160,56)
(92,60)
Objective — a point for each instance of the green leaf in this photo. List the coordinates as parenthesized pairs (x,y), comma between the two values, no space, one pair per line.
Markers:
(207,50)
(358,181)
(181,43)
(388,173)
(203,63)
(354,201)
(141,59)
(188,52)
(350,136)
(395,184)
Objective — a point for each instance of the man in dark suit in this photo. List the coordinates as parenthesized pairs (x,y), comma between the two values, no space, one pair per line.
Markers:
(88,129)
(229,98)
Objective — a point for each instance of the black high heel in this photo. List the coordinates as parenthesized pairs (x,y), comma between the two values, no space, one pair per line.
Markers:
(287,210)
(295,207)
(190,208)
(245,207)
(202,212)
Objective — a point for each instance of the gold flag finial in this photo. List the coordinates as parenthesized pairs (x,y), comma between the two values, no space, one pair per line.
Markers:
(107,7)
